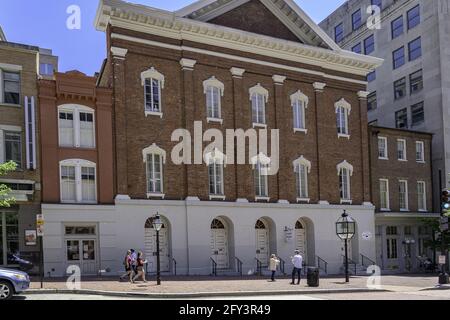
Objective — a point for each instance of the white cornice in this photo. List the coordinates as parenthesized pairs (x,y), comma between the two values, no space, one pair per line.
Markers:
(278,79)
(187,64)
(237,72)
(319,86)
(167,24)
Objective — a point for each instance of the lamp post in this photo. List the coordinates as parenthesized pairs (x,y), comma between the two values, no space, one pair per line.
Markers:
(345,230)
(157,225)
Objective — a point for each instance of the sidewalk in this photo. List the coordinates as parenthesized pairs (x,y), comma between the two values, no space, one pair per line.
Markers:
(197,286)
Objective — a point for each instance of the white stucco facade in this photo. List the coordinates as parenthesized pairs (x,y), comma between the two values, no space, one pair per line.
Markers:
(122,226)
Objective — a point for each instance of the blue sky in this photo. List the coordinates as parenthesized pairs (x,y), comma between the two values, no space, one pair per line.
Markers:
(43,23)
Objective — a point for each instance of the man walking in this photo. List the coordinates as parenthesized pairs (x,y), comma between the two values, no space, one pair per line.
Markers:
(297,261)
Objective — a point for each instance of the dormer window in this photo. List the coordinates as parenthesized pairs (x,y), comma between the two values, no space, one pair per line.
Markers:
(259,97)
(213,90)
(153,83)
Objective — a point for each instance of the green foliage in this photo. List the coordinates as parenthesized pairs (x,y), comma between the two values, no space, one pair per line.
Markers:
(435,242)
(5,199)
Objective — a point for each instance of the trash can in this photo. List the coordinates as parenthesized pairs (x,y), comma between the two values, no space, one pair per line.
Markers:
(313,277)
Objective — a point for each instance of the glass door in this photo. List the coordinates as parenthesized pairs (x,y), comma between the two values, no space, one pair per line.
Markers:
(73,251)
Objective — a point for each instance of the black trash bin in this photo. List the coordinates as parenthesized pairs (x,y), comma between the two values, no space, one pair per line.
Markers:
(313,277)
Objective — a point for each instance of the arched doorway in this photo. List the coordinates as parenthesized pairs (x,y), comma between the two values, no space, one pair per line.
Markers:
(262,241)
(301,239)
(150,252)
(219,243)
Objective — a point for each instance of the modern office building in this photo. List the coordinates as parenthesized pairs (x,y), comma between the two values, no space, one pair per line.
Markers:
(412,88)
(19,142)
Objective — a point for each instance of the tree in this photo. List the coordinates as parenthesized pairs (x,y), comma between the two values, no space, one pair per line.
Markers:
(436,243)
(5,199)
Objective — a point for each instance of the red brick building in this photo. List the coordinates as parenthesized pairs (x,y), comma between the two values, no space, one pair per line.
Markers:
(228,66)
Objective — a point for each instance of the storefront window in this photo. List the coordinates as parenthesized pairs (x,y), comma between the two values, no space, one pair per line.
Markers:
(9,235)
(88,230)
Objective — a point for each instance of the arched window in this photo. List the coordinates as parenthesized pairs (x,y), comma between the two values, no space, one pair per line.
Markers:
(153,82)
(302,168)
(76,126)
(217,224)
(299,103)
(298,225)
(149,224)
(259,97)
(154,157)
(260,225)
(343,109)
(345,171)
(78,181)
(213,90)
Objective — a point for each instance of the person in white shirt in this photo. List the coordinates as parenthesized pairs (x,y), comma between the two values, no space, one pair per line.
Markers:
(297,261)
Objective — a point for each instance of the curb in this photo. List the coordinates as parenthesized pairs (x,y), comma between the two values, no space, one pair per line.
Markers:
(199,294)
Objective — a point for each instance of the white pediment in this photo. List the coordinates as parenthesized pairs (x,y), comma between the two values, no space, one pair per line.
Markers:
(302,161)
(259,89)
(213,82)
(299,96)
(287,11)
(345,165)
(153,149)
(152,73)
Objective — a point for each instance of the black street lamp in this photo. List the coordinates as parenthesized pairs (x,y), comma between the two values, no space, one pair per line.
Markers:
(345,230)
(157,225)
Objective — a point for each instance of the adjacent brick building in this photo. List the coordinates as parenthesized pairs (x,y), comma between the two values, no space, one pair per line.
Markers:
(402,193)
(19,142)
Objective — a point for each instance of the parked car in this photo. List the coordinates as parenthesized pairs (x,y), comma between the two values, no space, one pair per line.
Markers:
(12,282)
(24,265)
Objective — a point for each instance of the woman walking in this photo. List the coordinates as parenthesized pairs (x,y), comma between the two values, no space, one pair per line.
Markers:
(273,265)
(140,267)
(127,265)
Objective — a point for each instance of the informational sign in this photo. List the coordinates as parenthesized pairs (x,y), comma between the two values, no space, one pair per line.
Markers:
(288,234)
(442,260)
(40,225)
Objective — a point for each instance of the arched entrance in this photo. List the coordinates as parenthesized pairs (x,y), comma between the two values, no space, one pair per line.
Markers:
(262,241)
(219,243)
(150,252)
(301,239)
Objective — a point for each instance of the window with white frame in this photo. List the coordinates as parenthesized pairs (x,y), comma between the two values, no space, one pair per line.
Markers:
(215,161)
(420,151)
(10,87)
(78,181)
(12,141)
(153,83)
(403,195)
(259,97)
(154,157)
(345,171)
(384,194)
(260,175)
(382,148)
(401,149)
(299,103)
(76,126)
(343,109)
(302,168)
(421,196)
(213,89)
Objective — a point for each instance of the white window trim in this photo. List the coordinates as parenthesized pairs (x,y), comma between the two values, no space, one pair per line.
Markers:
(348,108)
(152,73)
(262,159)
(424,196)
(154,150)
(404,151)
(259,90)
(385,148)
(30,133)
(76,109)
(299,162)
(345,165)
(214,160)
(296,98)
(423,151)
(260,198)
(78,164)
(213,82)
(7,128)
(406,195)
(388,204)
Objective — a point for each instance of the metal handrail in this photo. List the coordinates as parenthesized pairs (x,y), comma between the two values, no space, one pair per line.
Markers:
(239,265)
(350,261)
(174,266)
(282,266)
(214,267)
(258,267)
(321,261)
(364,258)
